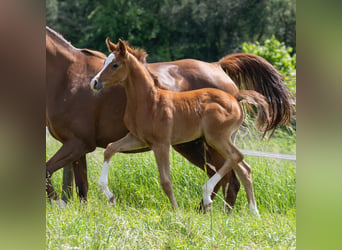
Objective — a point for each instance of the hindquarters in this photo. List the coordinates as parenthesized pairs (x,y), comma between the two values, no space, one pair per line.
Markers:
(220,120)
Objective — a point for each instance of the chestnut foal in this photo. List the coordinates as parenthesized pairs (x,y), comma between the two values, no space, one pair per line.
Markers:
(158,118)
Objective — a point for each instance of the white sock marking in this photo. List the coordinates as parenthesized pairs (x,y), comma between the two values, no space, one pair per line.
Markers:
(254,210)
(103,181)
(208,188)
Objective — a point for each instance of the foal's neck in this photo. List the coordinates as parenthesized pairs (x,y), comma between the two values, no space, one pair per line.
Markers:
(140,86)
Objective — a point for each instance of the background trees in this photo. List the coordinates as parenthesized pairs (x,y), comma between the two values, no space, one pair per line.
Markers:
(173,29)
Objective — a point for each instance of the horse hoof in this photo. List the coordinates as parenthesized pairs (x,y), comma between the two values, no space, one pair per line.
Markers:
(254,210)
(207,208)
(60,203)
(111,200)
(200,208)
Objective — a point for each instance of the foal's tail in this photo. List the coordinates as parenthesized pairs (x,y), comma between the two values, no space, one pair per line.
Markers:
(263,119)
(252,72)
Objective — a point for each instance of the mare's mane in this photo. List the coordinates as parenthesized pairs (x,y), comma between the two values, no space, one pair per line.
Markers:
(58,38)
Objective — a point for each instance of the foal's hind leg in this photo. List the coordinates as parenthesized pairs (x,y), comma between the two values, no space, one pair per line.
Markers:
(244,172)
(232,156)
(194,152)
(127,143)
(161,153)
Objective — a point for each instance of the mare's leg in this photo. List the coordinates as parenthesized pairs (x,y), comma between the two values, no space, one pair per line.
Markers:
(69,152)
(161,152)
(68,181)
(80,170)
(127,143)
(194,152)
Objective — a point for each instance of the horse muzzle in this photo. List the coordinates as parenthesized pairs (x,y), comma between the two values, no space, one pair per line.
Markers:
(96,84)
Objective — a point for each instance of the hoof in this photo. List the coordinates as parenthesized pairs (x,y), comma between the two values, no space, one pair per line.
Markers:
(200,207)
(111,200)
(254,210)
(228,209)
(59,203)
(207,208)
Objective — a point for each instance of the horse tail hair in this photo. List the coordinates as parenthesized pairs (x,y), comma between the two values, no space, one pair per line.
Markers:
(252,72)
(263,118)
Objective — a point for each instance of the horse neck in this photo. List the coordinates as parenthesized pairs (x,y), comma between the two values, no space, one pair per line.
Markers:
(140,87)
(58,49)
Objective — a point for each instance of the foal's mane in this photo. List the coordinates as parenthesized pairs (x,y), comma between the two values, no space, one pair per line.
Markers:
(141,55)
(138,53)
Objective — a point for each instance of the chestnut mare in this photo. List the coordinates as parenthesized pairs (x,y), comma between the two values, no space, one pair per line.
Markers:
(80,121)
(174,118)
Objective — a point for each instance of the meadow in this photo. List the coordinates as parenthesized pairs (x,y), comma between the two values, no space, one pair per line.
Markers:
(143,218)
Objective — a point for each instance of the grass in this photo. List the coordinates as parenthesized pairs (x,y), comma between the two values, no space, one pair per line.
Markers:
(143,218)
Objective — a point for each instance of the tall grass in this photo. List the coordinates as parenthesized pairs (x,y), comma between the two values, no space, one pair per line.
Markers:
(143,218)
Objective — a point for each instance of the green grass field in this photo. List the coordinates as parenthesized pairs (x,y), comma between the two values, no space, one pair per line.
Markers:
(143,218)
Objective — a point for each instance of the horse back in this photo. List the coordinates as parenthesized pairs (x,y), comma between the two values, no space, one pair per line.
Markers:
(190,74)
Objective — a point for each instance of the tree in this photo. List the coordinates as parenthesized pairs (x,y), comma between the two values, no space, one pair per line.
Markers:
(174,29)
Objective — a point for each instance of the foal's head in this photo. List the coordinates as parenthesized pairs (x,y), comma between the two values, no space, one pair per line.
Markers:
(115,68)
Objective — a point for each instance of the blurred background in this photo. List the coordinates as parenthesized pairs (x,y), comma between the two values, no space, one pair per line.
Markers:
(174,29)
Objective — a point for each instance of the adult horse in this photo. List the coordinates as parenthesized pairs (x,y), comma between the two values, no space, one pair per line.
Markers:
(70,104)
(80,120)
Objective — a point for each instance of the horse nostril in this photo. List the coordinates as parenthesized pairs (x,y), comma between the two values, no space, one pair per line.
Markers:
(95,83)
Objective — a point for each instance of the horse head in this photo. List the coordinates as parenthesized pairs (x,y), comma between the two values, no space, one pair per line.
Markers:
(115,68)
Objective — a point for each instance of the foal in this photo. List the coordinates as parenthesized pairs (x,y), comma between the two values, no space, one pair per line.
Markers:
(158,118)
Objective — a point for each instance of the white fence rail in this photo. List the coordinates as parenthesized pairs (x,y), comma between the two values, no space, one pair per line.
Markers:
(269,155)
(257,153)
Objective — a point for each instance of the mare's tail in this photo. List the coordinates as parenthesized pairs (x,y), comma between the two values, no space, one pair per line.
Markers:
(263,118)
(252,72)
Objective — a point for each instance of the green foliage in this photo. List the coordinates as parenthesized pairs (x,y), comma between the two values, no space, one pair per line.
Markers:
(279,55)
(173,29)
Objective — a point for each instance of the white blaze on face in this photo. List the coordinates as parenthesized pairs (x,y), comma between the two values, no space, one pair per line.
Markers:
(108,61)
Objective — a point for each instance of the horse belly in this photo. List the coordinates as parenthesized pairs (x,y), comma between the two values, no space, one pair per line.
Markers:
(186,131)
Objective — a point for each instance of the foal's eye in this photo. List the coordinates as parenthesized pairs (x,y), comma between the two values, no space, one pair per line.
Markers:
(115,65)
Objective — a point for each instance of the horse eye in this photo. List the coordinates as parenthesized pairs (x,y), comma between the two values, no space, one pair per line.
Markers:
(115,65)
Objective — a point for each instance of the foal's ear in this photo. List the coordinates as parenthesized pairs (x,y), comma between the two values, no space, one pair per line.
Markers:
(122,48)
(111,46)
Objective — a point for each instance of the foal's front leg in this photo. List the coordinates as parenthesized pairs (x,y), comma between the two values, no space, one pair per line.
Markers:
(161,153)
(127,143)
